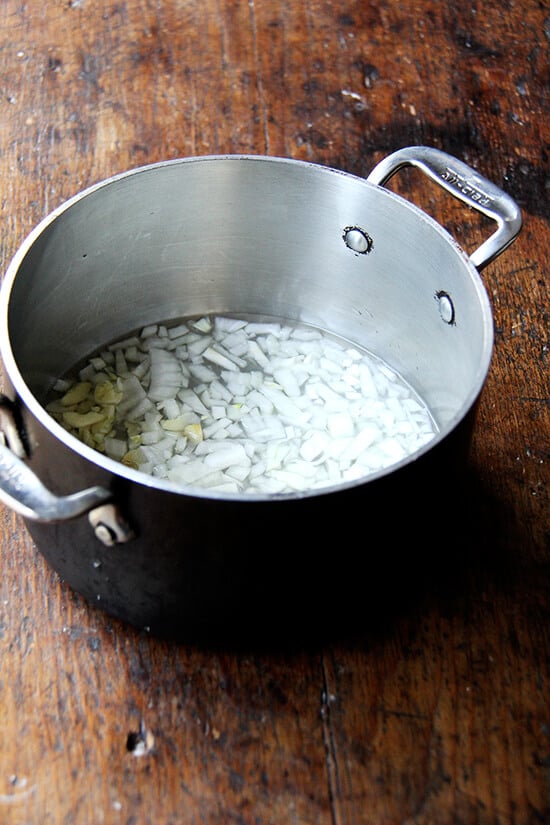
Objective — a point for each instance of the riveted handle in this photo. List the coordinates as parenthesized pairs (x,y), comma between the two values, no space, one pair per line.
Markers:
(464,183)
(23,491)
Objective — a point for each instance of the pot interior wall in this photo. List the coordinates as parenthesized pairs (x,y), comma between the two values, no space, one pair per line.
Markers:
(251,236)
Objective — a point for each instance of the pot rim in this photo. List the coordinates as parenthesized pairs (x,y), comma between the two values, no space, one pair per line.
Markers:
(116,468)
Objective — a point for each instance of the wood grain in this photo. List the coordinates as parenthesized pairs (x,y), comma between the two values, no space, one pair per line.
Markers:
(434,707)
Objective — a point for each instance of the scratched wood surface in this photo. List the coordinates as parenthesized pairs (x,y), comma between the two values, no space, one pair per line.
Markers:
(434,709)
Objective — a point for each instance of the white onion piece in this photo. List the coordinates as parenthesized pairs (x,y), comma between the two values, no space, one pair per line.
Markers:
(243,406)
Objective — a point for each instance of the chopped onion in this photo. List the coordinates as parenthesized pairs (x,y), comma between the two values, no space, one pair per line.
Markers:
(242,406)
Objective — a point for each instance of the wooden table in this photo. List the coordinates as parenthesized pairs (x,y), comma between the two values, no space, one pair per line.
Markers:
(434,708)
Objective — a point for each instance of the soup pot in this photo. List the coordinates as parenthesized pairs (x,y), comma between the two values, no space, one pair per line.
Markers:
(246,235)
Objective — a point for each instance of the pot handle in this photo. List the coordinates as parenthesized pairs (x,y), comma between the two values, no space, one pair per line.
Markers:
(23,491)
(464,183)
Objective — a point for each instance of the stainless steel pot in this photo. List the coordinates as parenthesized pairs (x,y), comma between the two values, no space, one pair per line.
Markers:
(235,234)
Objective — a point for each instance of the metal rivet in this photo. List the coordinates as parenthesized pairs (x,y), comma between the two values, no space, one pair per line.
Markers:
(357,240)
(109,525)
(446,307)
(105,535)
